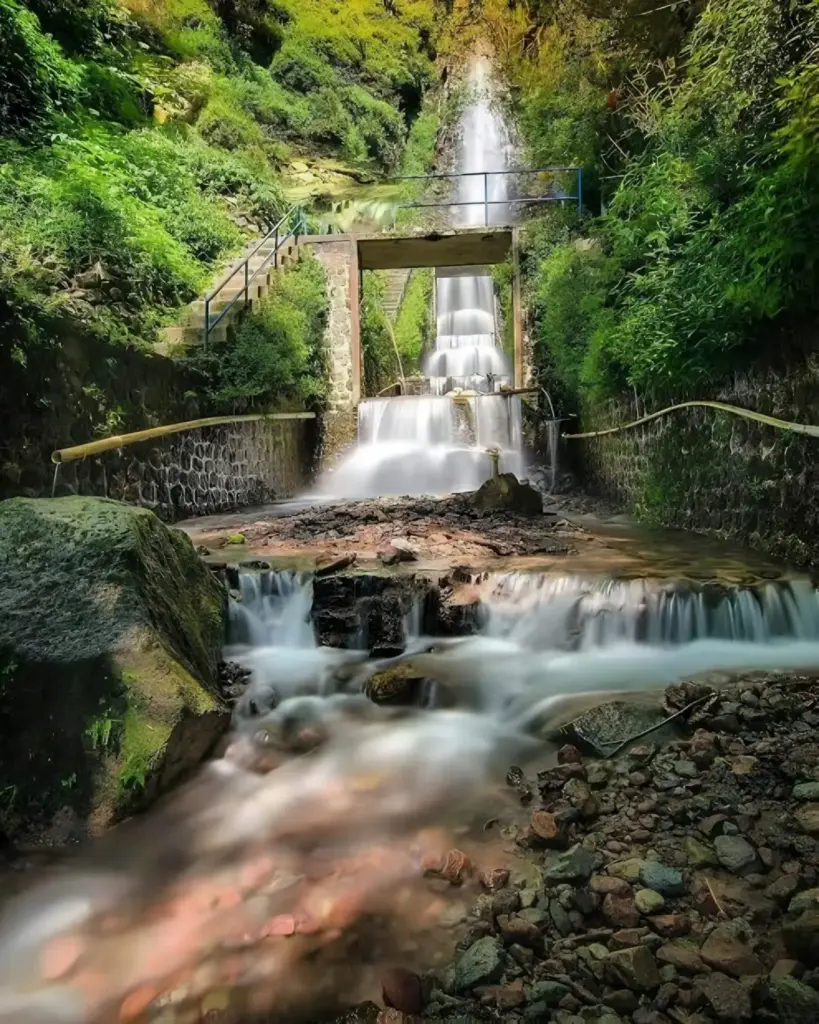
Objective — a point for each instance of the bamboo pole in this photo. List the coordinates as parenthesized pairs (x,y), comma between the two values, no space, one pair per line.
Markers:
(83,451)
(748,414)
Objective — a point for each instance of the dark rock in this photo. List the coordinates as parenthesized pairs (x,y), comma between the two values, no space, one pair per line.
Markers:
(681,954)
(519,931)
(663,879)
(736,854)
(620,911)
(606,885)
(806,791)
(402,990)
(635,968)
(505,492)
(807,818)
(601,728)
(569,754)
(622,1000)
(480,964)
(796,1003)
(550,993)
(728,998)
(671,926)
(326,567)
(576,865)
(800,929)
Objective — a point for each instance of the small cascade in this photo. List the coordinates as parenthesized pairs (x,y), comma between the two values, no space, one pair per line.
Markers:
(543,611)
(275,610)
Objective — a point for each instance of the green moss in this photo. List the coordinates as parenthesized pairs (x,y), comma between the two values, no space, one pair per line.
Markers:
(143,743)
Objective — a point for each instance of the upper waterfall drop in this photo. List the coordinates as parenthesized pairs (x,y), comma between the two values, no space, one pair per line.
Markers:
(431,444)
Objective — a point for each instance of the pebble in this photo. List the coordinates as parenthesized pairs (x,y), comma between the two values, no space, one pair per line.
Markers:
(663,879)
(629,869)
(576,865)
(620,911)
(728,998)
(726,950)
(806,791)
(735,854)
(648,901)
(480,964)
(635,968)
(402,990)
(807,817)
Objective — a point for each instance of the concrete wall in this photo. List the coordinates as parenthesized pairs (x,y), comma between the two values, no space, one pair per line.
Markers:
(338,254)
(716,473)
(213,469)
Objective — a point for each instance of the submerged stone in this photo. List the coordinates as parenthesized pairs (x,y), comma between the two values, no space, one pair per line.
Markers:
(110,635)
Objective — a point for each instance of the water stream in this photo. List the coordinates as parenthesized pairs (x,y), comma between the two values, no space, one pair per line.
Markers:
(430,444)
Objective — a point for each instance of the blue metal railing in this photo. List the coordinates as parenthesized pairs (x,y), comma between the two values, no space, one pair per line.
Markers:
(291,225)
(486,202)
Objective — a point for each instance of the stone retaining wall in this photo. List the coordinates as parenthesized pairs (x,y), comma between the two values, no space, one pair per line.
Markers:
(714,472)
(213,469)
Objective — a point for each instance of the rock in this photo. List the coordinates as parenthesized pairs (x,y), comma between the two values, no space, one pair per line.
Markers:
(712,825)
(635,968)
(629,870)
(392,554)
(569,754)
(550,993)
(480,964)
(520,931)
(622,1000)
(576,865)
(235,538)
(786,969)
(495,879)
(698,854)
(546,828)
(681,954)
(327,566)
(806,791)
(402,990)
(736,854)
(505,492)
(807,818)
(620,911)
(800,929)
(110,623)
(648,901)
(797,1003)
(507,997)
(599,729)
(728,998)
(607,884)
(665,880)
(725,950)
(671,925)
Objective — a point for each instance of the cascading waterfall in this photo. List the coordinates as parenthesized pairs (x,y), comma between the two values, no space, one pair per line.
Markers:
(544,611)
(430,444)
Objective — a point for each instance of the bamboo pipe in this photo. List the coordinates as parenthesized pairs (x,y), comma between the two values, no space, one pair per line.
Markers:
(748,414)
(82,451)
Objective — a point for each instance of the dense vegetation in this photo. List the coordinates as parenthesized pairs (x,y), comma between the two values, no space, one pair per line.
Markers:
(698,127)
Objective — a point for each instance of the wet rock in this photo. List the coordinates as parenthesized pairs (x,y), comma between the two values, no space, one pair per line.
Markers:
(602,728)
(569,754)
(806,791)
(550,993)
(518,930)
(402,990)
(620,911)
(480,964)
(629,869)
(726,950)
(495,879)
(736,854)
(727,998)
(576,865)
(546,828)
(807,818)
(800,929)
(327,566)
(681,954)
(698,854)
(609,884)
(663,879)
(598,774)
(505,492)
(635,968)
(648,901)
(795,1002)
(671,925)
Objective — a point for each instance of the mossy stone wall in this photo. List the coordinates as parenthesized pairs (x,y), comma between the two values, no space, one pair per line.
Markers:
(705,470)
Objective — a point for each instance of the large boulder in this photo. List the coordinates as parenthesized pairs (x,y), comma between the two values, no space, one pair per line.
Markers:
(110,633)
(505,493)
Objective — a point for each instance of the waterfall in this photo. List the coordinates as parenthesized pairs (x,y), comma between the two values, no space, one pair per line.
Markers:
(544,611)
(431,445)
(274,610)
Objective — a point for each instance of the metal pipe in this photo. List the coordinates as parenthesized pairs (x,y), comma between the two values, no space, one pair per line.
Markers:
(82,451)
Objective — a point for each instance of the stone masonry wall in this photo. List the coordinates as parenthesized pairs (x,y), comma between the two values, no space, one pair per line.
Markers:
(213,469)
(711,471)
(339,257)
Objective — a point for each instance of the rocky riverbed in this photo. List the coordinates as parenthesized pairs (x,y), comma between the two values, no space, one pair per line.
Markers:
(667,884)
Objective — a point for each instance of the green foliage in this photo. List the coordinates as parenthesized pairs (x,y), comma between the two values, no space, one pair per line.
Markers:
(706,246)
(35,77)
(414,328)
(278,353)
(380,364)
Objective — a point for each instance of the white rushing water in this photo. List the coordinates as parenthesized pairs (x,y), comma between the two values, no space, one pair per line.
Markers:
(430,444)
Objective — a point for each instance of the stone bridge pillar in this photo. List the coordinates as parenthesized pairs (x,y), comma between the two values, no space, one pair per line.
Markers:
(338,254)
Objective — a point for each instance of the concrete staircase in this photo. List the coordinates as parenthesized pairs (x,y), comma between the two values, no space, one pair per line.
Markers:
(396,285)
(191,328)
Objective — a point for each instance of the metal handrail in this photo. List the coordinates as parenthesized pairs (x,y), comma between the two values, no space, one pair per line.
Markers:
(279,241)
(486,202)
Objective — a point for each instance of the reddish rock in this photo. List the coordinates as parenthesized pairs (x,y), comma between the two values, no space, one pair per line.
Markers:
(517,930)
(545,826)
(620,911)
(505,997)
(671,926)
(457,867)
(402,990)
(725,950)
(495,879)
(605,885)
(569,754)
(683,955)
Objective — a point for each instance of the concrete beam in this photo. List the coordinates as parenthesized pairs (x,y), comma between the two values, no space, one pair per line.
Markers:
(469,248)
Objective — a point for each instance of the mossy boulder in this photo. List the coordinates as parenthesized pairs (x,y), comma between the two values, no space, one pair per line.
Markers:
(505,493)
(110,633)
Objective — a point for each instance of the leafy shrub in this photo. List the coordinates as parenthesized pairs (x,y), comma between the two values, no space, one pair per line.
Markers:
(414,328)
(299,67)
(380,366)
(278,353)
(112,94)
(224,125)
(80,26)
(35,76)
